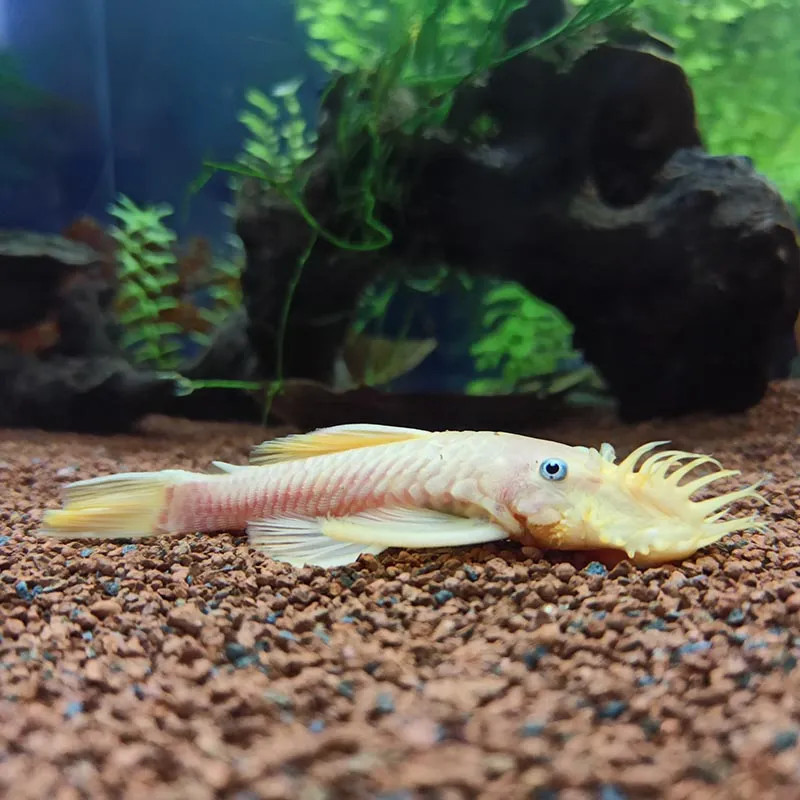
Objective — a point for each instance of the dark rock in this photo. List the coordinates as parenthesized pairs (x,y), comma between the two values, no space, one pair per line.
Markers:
(34,268)
(679,270)
(326,295)
(697,287)
(88,394)
(60,367)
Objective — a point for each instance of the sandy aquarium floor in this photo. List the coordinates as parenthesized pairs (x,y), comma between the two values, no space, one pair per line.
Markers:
(190,667)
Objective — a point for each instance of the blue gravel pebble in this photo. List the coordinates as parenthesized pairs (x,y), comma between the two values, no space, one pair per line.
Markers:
(23,592)
(784,740)
(73,709)
(532,657)
(384,703)
(441,597)
(610,792)
(346,689)
(239,655)
(532,728)
(596,568)
(736,617)
(612,709)
(694,647)
(471,574)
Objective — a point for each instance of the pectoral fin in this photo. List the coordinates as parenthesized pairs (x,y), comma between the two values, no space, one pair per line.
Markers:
(299,541)
(330,440)
(335,541)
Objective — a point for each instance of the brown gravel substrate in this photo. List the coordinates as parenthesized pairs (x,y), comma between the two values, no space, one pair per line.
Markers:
(191,667)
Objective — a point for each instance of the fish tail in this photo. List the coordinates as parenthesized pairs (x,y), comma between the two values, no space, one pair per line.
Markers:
(122,506)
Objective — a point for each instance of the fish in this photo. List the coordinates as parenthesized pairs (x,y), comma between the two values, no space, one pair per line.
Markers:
(327,497)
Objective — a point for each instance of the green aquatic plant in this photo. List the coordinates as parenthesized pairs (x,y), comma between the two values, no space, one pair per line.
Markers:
(440,41)
(153,302)
(394,67)
(279,140)
(524,338)
(743,61)
(225,292)
(397,69)
(147,273)
(378,296)
(406,300)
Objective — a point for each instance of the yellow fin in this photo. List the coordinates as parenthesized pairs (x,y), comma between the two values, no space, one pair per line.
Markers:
(126,505)
(330,440)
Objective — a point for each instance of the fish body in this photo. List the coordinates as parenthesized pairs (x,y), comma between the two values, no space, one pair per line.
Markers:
(326,497)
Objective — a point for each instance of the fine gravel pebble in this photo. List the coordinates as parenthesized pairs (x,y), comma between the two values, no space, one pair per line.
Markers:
(191,667)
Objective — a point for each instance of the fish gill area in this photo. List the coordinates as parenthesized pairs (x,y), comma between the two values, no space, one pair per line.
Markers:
(190,666)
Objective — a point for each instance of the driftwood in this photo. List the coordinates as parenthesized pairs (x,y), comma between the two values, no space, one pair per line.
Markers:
(680,271)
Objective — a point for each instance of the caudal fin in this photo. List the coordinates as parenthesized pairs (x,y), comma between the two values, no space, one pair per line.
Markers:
(123,506)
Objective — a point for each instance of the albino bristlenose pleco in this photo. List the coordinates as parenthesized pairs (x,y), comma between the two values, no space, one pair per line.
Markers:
(326,497)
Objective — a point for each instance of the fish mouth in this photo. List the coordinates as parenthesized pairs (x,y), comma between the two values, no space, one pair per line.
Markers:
(645,506)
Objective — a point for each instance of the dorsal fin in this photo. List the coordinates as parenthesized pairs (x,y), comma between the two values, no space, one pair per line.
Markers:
(330,440)
(222,466)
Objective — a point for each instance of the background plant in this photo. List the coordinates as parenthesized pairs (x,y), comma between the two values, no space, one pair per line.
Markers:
(147,272)
(222,290)
(279,139)
(395,68)
(159,299)
(524,337)
(743,61)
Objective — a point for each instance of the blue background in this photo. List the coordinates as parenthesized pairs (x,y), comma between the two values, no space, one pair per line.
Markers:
(146,91)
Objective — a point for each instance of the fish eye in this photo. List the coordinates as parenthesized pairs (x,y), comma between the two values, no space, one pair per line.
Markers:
(553,469)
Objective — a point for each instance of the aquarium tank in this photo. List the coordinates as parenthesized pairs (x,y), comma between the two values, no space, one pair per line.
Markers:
(399,399)
(371,194)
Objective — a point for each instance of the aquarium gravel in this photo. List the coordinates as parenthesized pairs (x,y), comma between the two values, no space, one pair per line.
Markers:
(193,667)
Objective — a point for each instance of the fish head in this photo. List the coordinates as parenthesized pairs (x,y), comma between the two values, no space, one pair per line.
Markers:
(580,498)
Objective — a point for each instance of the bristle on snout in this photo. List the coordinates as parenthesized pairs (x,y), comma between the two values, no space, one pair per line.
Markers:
(667,481)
